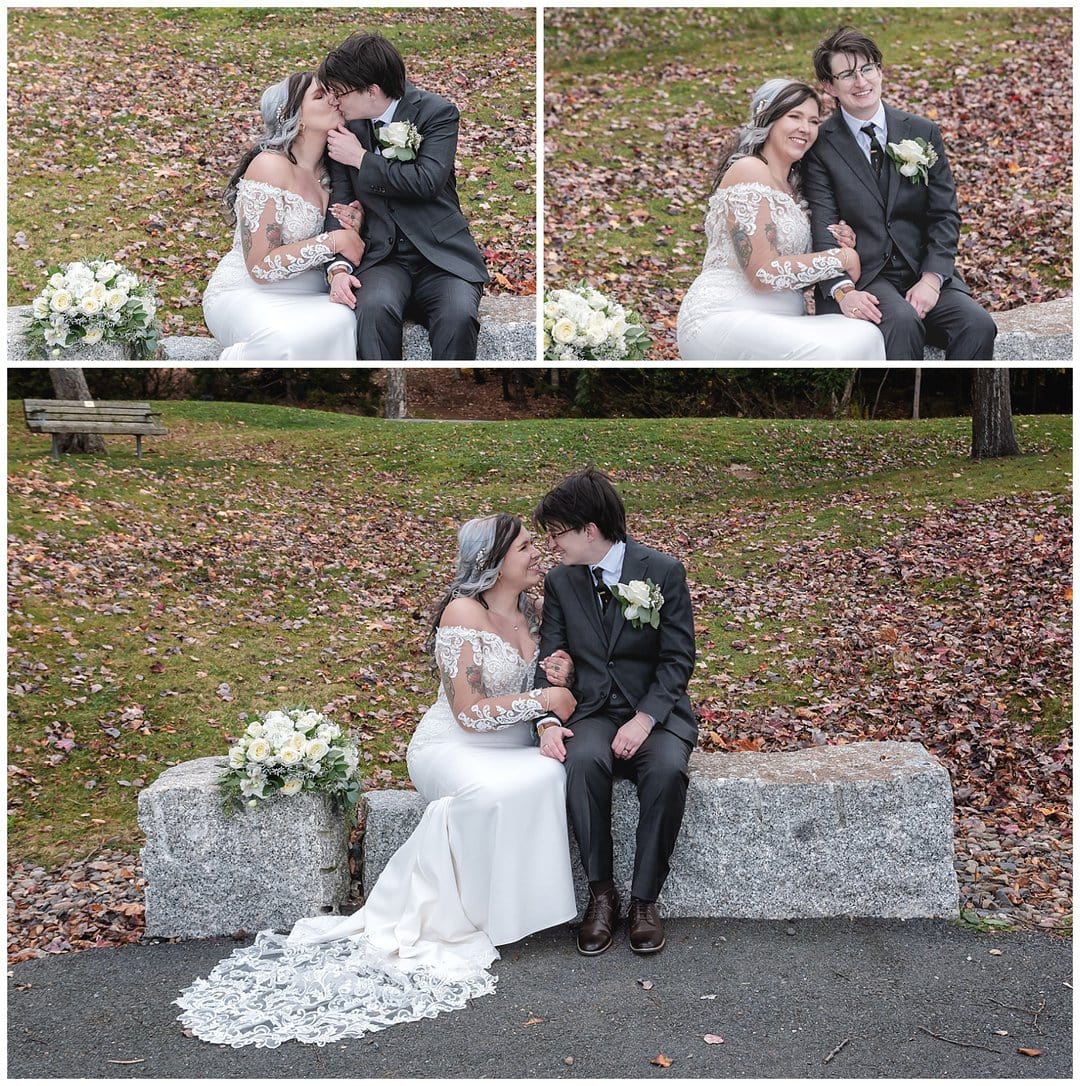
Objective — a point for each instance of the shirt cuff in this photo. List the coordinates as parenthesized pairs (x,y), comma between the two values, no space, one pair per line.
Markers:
(334,266)
(847,284)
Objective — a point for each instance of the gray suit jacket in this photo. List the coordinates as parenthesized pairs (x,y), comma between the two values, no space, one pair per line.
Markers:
(651,668)
(418,199)
(918,220)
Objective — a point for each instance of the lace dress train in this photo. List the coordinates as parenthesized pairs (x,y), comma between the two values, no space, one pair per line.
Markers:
(488,864)
(724,318)
(287,314)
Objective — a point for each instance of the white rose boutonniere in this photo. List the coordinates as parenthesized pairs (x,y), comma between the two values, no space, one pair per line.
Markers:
(399,140)
(641,602)
(913,159)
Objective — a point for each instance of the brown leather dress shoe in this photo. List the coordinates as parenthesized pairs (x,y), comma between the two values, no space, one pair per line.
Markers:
(594,935)
(646,927)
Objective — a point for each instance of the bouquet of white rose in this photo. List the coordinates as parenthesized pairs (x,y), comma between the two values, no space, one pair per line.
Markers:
(286,751)
(88,301)
(581,324)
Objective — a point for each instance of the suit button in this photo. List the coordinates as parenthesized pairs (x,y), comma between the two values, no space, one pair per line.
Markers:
(393,242)
(611,663)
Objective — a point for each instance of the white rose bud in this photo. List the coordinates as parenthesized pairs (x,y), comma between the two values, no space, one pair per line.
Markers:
(291,787)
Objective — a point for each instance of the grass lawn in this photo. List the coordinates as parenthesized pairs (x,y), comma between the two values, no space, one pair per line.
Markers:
(640,100)
(261,556)
(122,130)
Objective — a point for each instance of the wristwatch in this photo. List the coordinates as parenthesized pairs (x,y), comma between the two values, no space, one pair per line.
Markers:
(840,293)
(546,722)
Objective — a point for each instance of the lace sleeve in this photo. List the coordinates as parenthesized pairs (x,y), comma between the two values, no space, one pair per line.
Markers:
(261,211)
(755,236)
(459,652)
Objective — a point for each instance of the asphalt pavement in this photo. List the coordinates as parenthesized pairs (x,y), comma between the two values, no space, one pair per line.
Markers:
(800,999)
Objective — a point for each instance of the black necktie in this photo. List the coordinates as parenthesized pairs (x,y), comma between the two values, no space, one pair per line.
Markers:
(877,155)
(375,126)
(603,593)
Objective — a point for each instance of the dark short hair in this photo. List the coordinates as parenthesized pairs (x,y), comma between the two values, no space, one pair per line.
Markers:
(586,497)
(362,61)
(844,40)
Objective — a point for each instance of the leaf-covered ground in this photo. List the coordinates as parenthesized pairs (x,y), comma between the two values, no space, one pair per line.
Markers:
(850,581)
(638,102)
(123,129)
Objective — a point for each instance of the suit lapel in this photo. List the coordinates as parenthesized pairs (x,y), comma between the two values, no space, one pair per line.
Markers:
(583,585)
(897,128)
(847,147)
(634,566)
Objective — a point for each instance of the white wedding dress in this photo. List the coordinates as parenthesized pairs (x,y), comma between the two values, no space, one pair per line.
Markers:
(724,318)
(488,864)
(288,313)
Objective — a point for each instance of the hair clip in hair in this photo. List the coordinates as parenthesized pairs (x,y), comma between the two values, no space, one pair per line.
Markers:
(279,116)
(762,106)
(478,561)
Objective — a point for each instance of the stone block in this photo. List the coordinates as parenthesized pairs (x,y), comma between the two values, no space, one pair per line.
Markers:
(507,334)
(1039,332)
(212,873)
(863,829)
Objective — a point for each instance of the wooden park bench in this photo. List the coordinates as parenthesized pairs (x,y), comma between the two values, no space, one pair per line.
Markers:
(58,417)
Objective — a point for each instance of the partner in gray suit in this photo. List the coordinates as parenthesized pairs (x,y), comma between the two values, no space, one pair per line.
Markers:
(420,259)
(907,229)
(633,717)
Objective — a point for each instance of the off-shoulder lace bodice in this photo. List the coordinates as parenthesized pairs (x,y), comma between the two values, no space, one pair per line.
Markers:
(752,209)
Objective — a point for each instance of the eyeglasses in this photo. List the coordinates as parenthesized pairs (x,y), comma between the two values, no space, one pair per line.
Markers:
(867,71)
(553,537)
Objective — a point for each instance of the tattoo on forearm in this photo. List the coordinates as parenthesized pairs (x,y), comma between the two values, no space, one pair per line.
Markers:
(771,235)
(245,239)
(448,688)
(274,235)
(475,677)
(743,246)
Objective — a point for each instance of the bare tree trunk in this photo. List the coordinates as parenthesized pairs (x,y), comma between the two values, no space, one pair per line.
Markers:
(840,410)
(873,412)
(992,432)
(554,380)
(918,390)
(70,384)
(396,393)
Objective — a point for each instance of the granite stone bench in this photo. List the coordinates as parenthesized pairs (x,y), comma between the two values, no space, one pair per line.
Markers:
(864,829)
(507,334)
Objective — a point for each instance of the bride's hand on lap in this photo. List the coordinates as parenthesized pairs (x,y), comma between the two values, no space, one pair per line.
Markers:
(559,668)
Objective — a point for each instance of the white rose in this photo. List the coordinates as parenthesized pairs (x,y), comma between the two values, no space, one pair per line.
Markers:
(106,271)
(551,309)
(308,720)
(41,307)
(289,756)
(909,169)
(291,787)
(90,305)
(255,730)
(57,280)
(563,330)
(258,750)
(61,301)
(316,749)
(237,758)
(396,134)
(93,334)
(637,592)
(126,281)
(908,150)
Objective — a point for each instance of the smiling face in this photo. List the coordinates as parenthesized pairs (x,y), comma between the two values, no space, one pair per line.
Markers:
(318,109)
(520,568)
(793,133)
(858,88)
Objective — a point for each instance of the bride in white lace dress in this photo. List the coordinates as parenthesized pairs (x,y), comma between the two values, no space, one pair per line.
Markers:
(488,864)
(267,299)
(748,301)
